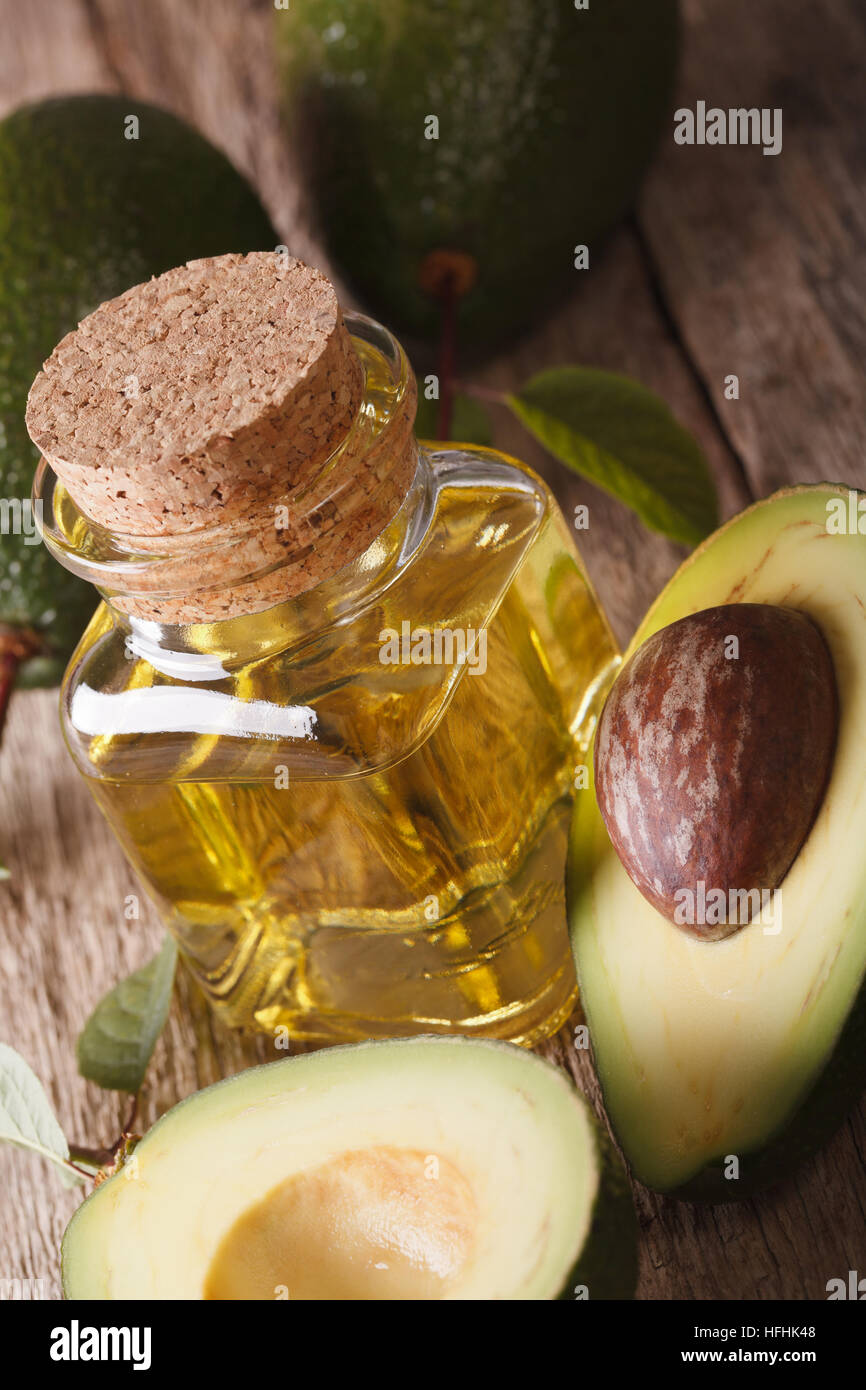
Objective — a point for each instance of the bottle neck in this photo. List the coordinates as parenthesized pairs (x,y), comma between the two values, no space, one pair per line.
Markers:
(207,651)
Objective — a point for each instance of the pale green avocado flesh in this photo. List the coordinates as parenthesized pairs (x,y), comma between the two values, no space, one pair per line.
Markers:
(723,1062)
(433,1168)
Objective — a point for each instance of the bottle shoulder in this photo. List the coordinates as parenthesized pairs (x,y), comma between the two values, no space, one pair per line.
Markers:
(356,694)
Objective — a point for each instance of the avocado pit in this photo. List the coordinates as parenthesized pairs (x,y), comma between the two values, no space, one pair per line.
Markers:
(712,757)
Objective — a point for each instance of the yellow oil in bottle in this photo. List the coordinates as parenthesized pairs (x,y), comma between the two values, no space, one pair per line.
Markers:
(352,847)
(352,831)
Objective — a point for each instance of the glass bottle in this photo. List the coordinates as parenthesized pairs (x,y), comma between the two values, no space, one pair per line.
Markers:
(351,806)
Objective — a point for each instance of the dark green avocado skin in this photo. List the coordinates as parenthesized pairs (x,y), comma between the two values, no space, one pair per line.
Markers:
(84,214)
(547,116)
(608,1265)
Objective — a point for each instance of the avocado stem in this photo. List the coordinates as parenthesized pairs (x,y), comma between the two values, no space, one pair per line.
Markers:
(94,1158)
(447,365)
(482,393)
(16,645)
(104,1157)
(87,1156)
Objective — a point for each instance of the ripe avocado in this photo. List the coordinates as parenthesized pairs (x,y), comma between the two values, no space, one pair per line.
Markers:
(427,1168)
(547,116)
(749,1047)
(86,212)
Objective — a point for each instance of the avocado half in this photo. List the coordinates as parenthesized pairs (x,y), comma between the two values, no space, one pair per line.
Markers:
(749,1048)
(427,1168)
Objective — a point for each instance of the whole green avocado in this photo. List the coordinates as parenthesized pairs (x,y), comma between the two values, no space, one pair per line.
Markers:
(483,139)
(90,204)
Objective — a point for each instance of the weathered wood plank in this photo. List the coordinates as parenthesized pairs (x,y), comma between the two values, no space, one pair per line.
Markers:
(48,49)
(761,258)
(64,938)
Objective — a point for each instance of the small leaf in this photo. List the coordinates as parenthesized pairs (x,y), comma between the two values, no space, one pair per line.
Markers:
(26,1117)
(4,873)
(624,438)
(118,1039)
(470,423)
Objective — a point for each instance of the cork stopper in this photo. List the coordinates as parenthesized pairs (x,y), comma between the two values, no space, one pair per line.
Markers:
(185,414)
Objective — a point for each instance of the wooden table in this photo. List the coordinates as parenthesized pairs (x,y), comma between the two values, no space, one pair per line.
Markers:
(735,263)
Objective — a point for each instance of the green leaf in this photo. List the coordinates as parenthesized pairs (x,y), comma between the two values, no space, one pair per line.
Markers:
(470,423)
(118,1039)
(26,1117)
(622,437)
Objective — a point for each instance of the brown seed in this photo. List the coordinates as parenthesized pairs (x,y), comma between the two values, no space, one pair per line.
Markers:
(712,758)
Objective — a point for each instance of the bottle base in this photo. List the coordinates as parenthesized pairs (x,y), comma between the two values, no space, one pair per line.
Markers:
(526,1023)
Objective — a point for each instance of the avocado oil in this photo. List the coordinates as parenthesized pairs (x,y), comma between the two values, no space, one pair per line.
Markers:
(335,697)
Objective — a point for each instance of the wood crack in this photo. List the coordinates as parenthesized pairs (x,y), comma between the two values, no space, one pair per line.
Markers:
(666,312)
(102,41)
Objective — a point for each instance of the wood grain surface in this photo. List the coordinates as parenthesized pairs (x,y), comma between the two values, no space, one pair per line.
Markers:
(733,263)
